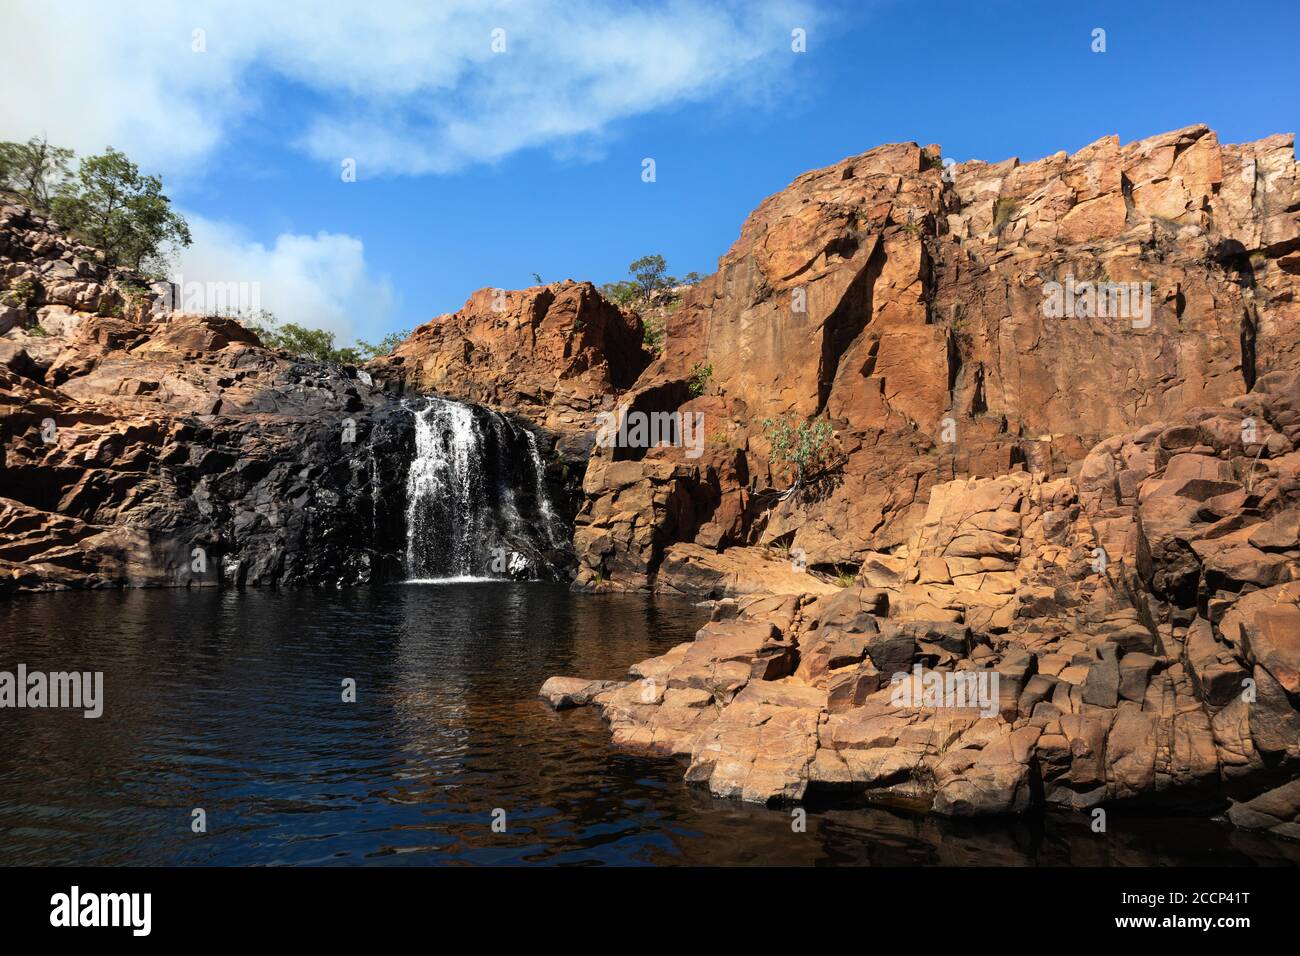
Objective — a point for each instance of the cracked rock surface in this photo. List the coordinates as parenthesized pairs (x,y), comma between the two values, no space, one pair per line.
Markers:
(1137,629)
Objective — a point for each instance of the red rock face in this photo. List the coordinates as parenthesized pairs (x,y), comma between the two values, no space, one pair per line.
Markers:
(1091,497)
(974,321)
(892,301)
(554,354)
(130,437)
(968,321)
(1132,634)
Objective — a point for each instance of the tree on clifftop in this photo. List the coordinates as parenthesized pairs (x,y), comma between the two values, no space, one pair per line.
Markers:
(650,274)
(385,345)
(34,171)
(317,344)
(109,204)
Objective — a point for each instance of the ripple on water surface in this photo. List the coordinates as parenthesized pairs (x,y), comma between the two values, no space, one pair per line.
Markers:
(231,701)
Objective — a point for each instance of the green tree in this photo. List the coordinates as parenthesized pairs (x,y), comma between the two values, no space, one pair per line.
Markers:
(699,380)
(800,445)
(385,346)
(110,205)
(621,293)
(315,344)
(649,273)
(34,171)
(653,332)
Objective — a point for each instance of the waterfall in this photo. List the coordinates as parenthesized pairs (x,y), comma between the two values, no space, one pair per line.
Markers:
(550,520)
(477,501)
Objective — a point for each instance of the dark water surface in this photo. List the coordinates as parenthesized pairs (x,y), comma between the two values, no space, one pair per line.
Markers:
(230,701)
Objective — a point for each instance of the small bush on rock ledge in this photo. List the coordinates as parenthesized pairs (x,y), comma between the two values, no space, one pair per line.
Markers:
(803,446)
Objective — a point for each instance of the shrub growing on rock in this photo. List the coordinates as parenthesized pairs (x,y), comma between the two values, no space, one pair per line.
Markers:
(800,445)
(701,374)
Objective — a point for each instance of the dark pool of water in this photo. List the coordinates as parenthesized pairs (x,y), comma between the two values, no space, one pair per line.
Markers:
(231,702)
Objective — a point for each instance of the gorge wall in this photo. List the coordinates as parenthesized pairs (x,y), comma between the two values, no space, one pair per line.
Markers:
(924,301)
(145,447)
(898,297)
(1099,506)
(905,301)
(1096,503)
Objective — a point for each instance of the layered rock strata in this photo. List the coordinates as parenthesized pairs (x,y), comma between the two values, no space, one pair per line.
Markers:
(555,355)
(909,305)
(1129,636)
(948,321)
(145,447)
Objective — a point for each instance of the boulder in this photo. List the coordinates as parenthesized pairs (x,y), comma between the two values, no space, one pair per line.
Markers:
(1277,810)
(564,692)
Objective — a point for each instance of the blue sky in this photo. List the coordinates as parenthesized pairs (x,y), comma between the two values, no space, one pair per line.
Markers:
(467,177)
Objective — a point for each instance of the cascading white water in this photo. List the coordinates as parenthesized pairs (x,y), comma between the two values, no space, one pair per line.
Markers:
(440,484)
(477,503)
(550,520)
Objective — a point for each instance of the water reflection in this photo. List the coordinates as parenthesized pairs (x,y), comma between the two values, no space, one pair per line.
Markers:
(231,702)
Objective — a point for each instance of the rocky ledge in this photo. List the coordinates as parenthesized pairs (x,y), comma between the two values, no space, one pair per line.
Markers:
(1129,635)
(141,446)
(903,302)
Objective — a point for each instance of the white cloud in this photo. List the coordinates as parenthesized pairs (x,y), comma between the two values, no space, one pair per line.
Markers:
(319,281)
(401,87)
(95,75)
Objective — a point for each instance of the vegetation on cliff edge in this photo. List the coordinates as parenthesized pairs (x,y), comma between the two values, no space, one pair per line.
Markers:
(107,203)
